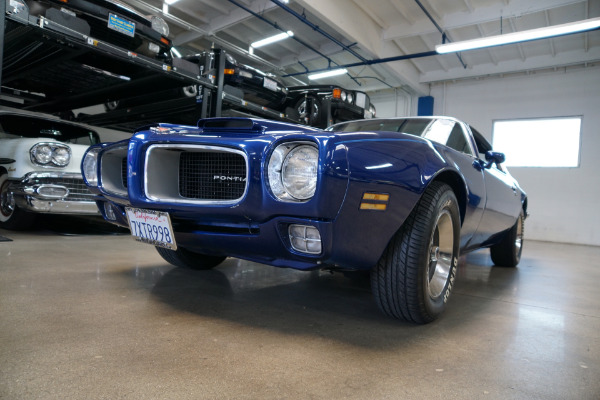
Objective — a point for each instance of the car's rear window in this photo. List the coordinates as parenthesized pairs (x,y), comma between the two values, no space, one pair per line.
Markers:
(19,126)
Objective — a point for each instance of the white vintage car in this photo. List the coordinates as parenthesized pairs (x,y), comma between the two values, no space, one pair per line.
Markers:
(40,157)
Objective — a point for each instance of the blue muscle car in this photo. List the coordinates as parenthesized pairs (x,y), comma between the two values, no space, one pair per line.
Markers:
(397,197)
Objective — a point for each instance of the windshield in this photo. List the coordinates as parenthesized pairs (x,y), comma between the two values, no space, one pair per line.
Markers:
(20,126)
(413,126)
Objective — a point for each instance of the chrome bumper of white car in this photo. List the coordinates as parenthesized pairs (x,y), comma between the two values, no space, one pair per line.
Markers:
(56,193)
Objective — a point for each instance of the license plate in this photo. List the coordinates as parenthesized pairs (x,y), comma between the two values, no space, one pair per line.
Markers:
(121,25)
(152,227)
(270,84)
(361,100)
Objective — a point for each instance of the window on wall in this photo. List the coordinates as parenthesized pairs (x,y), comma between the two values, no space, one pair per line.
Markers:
(538,142)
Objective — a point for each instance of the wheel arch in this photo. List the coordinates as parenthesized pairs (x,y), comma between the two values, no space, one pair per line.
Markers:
(459,187)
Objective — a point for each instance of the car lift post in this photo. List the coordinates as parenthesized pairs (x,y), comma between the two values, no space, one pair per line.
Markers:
(217,98)
(2,25)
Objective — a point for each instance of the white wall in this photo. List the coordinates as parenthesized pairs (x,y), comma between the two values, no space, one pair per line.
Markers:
(563,202)
(393,103)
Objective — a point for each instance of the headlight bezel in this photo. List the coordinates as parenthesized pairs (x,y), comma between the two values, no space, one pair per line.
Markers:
(44,154)
(89,166)
(282,187)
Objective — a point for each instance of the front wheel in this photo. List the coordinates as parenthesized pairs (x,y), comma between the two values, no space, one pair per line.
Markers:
(415,275)
(309,114)
(11,216)
(188,259)
(507,253)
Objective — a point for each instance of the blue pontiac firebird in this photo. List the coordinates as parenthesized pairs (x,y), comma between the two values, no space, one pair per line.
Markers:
(398,197)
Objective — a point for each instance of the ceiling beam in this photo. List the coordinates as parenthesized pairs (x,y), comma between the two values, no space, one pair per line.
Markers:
(479,15)
(220,23)
(561,60)
(351,21)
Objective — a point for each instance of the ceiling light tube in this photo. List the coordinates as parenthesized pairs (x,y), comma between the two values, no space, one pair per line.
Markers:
(523,36)
(272,39)
(327,74)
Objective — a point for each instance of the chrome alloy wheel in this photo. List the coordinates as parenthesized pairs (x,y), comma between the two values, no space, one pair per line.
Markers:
(7,201)
(440,255)
(519,238)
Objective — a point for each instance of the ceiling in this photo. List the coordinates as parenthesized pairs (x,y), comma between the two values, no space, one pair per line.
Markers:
(380,29)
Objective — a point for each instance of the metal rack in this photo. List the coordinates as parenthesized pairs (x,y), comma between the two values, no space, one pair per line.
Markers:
(48,67)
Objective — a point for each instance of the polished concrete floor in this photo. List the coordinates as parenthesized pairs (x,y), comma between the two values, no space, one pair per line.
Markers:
(99,316)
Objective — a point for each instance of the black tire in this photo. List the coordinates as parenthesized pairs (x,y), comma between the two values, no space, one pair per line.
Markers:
(507,253)
(304,116)
(112,105)
(11,216)
(189,91)
(188,259)
(415,275)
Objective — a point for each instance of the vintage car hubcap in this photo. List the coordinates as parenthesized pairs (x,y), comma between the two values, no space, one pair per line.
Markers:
(7,201)
(519,237)
(440,255)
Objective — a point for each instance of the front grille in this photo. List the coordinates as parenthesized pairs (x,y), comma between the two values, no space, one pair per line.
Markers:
(210,175)
(78,191)
(124,172)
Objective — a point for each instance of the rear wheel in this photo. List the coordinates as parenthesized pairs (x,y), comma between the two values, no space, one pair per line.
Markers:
(415,275)
(507,253)
(11,216)
(188,259)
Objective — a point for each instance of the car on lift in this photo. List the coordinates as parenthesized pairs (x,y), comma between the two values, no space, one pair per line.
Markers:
(401,198)
(252,84)
(40,157)
(323,105)
(110,21)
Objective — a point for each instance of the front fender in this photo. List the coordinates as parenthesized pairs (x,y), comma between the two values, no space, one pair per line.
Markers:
(399,170)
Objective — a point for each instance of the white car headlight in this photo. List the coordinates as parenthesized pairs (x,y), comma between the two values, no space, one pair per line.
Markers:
(159,25)
(50,154)
(292,171)
(349,98)
(89,166)
(61,156)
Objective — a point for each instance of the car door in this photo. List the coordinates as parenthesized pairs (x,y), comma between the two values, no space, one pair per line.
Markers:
(455,135)
(503,202)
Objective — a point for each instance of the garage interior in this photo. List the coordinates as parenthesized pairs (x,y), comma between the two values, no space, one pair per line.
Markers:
(87,312)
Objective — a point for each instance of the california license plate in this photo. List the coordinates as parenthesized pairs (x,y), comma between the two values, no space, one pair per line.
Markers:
(121,25)
(152,227)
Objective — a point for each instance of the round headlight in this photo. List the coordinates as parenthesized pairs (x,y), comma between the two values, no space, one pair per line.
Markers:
(349,98)
(61,156)
(159,25)
(299,172)
(292,171)
(89,166)
(343,96)
(42,154)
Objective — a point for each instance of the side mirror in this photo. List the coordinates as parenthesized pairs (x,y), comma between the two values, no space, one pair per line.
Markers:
(493,157)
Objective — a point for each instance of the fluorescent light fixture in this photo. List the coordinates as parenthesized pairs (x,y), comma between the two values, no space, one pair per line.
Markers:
(327,74)
(169,2)
(272,39)
(523,36)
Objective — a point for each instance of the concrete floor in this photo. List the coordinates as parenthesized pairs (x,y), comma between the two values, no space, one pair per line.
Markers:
(97,316)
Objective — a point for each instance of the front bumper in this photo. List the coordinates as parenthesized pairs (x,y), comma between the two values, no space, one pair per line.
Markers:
(55,193)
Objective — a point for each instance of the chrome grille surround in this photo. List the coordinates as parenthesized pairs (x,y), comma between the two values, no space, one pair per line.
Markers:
(195,174)
(111,171)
